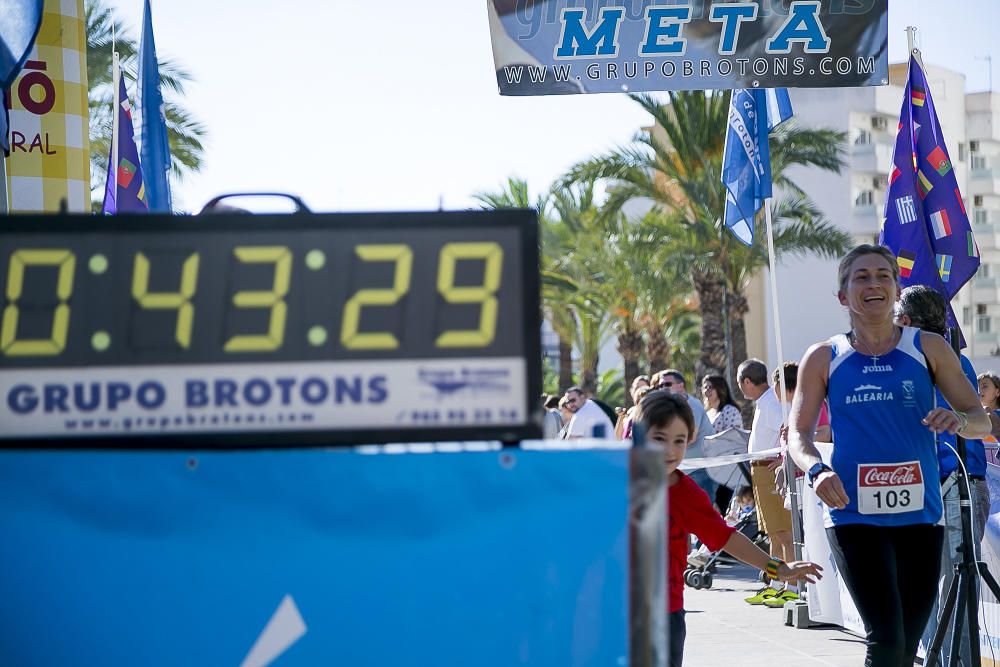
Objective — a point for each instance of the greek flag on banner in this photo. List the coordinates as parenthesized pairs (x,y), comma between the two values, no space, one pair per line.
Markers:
(925,223)
(746,162)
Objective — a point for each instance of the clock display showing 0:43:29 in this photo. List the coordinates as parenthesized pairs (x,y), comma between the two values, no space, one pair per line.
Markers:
(196,293)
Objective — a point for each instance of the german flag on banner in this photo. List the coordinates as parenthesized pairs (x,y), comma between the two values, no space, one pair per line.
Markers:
(905,259)
(923,184)
(917,96)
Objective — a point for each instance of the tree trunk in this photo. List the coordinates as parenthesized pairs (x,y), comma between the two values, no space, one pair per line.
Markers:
(712,356)
(630,347)
(565,364)
(738,308)
(588,379)
(657,347)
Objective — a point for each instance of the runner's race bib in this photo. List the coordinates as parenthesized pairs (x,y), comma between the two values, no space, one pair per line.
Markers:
(890,488)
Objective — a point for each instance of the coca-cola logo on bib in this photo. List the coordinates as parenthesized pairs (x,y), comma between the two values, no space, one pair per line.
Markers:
(893,474)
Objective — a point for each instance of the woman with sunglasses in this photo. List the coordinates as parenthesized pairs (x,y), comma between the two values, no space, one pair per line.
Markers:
(719,404)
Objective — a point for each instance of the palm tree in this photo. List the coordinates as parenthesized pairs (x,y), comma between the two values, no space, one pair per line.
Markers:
(556,289)
(184,132)
(680,174)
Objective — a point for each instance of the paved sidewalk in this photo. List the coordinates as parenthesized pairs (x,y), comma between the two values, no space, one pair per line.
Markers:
(724,630)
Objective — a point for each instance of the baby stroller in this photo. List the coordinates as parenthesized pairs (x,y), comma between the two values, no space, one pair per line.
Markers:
(731,441)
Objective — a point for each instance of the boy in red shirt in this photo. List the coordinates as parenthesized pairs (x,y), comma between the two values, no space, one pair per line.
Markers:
(669,423)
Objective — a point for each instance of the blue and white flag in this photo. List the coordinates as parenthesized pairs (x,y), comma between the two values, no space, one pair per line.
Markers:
(20,21)
(154,149)
(746,162)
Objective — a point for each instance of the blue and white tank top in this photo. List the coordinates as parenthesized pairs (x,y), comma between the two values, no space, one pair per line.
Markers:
(885,457)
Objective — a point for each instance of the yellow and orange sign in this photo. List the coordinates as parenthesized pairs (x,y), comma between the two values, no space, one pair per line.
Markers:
(49,122)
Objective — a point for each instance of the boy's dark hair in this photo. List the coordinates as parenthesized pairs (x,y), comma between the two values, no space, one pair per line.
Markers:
(659,407)
(791,376)
(744,492)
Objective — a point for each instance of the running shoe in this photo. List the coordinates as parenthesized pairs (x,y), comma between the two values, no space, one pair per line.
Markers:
(779,600)
(763,594)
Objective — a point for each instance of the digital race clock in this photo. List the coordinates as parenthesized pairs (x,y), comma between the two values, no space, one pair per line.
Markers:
(239,330)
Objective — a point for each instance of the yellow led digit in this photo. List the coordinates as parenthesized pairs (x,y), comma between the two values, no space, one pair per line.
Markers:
(349,335)
(56,343)
(274,298)
(492,254)
(180,301)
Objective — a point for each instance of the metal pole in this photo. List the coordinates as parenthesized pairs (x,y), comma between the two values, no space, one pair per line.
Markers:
(793,493)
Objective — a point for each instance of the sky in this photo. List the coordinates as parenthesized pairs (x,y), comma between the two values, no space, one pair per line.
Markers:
(393,105)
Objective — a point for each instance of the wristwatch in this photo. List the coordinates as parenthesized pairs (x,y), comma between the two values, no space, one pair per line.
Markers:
(816,470)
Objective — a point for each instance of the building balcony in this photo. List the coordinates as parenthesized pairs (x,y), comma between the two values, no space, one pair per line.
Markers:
(873,156)
(984,181)
(985,290)
(987,235)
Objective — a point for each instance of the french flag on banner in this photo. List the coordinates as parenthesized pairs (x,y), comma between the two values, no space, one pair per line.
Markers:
(941,224)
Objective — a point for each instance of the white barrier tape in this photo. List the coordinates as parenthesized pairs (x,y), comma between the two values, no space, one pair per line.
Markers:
(698,462)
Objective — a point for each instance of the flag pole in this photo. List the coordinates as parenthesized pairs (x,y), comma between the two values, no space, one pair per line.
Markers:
(789,466)
(115,83)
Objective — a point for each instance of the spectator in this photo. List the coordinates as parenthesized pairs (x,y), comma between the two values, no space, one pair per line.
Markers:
(553,421)
(589,420)
(772,516)
(921,307)
(722,410)
(625,417)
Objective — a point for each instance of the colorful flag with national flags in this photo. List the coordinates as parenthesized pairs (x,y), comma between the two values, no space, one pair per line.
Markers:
(125,191)
(925,220)
(746,161)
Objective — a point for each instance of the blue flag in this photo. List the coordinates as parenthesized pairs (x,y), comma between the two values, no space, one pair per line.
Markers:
(124,191)
(746,162)
(20,21)
(153,145)
(925,223)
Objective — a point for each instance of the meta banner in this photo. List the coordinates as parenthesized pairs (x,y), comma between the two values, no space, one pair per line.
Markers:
(425,554)
(562,47)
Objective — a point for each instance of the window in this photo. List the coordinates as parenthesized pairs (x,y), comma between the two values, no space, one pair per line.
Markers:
(879,123)
(966,315)
(973,146)
(864,138)
(961,152)
(866,198)
(979,162)
(984,272)
(880,182)
(977,200)
(983,321)
(980,216)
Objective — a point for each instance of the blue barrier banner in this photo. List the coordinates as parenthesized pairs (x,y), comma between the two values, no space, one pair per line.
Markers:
(315,557)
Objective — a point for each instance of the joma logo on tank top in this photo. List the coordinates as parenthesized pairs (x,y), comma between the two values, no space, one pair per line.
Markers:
(877,368)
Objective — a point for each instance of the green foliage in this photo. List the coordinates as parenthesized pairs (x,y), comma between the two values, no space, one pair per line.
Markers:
(611,388)
(184,132)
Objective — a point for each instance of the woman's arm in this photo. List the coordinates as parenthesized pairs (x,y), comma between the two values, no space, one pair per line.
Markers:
(967,417)
(810,393)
